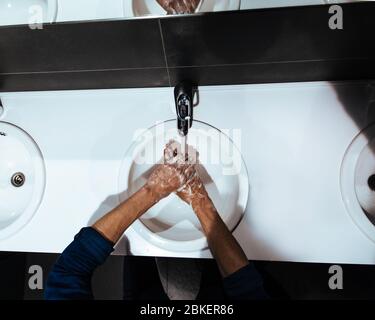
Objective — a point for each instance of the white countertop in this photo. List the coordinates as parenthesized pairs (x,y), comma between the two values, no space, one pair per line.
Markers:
(294,137)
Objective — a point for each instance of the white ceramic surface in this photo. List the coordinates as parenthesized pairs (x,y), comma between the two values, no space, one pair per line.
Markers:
(24,11)
(172,224)
(294,137)
(258,4)
(19,154)
(86,10)
(358,165)
(219,5)
(364,170)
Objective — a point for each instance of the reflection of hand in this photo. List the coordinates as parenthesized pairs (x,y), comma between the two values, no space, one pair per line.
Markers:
(179,6)
(172,174)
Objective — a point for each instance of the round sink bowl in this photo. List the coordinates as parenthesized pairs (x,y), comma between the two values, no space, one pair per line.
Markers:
(22,178)
(171,224)
(358,181)
(14,12)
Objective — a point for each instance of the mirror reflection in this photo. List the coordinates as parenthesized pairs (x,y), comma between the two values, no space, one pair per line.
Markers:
(13,12)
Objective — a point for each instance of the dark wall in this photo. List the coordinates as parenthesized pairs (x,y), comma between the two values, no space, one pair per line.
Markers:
(283,280)
(253,46)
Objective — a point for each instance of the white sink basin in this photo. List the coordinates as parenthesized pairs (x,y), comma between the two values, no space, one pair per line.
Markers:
(22,178)
(27,11)
(171,224)
(358,181)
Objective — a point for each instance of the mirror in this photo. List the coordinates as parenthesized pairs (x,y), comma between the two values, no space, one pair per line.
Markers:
(13,12)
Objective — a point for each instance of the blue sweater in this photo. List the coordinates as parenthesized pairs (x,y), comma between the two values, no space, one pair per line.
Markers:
(71,275)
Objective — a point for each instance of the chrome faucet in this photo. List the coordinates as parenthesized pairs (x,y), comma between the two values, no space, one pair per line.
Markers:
(184,96)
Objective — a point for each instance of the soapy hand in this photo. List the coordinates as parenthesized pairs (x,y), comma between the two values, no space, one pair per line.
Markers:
(175,171)
(195,194)
(193,190)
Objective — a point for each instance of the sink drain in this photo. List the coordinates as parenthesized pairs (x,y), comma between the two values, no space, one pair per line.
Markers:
(18,179)
(22,178)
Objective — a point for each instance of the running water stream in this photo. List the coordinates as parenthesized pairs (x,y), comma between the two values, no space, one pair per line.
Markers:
(184,147)
(184,144)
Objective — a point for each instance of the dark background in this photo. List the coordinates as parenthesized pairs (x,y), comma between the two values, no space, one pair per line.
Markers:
(283,280)
(249,46)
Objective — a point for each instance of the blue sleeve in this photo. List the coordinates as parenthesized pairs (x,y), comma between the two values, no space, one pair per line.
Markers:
(245,284)
(70,277)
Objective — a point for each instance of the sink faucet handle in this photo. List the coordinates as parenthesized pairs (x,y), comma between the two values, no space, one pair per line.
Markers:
(184,99)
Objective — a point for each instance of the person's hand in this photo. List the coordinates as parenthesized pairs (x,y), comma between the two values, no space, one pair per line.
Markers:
(193,191)
(173,173)
(179,6)
(195,194)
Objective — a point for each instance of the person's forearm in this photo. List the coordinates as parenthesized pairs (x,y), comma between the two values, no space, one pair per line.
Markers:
(70,277)
(113,224)
(224,247)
